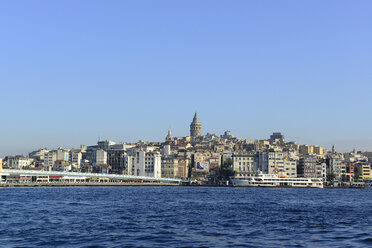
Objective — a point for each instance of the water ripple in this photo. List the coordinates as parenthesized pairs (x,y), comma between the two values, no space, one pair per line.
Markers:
(184,217)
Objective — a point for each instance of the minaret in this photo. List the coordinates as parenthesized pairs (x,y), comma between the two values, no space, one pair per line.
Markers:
(195,126)
(333,149)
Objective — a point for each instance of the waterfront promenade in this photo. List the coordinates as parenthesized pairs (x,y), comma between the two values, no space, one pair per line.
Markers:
(83,184)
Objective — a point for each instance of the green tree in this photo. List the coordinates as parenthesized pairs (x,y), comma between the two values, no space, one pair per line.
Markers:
(226,170)
(356,177)
(331,178)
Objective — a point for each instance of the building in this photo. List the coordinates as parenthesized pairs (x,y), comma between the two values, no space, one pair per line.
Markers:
(75,157)
(115,158)
(195,127)
(39,154)
(49,159)
(290,168)
(306,149)
(183,167)
(52,156)
(169,167)
(1,165)
(334,166)
(62,165)
(167,150)
(307,167)
(363,169)
(270,162)
(321,169)
(347,172)
(169,138)
(277,138)
(227,135)
(19,162)
(318,150)
(101,157)
(141,163)
(243,164)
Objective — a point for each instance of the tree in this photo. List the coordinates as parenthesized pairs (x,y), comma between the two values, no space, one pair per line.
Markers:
(331,177)
(74,168)
(226,170)
(356,177)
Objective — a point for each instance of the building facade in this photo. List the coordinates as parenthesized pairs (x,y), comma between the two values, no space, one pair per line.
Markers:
(270,162)
(243,164)
(169,167)
(290,168)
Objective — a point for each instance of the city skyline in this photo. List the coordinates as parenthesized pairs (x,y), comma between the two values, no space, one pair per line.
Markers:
(126,71)
(195,121)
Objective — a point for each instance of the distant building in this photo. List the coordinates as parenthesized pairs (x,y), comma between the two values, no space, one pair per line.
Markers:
(75,157)
(52,156)
(101,157)
(227,135)
(318,150)
(270,162)
(1,166)
(39,154)
(334,166)
(307,167)
(243,164)
(195,127)
(183,168)
(167,150)
(115,158)
(169,138)
(321,169)
(19,162)
(141,163)
(290,168)
(62,165)
(363,169)
(306,150)
(277,137)
(169,167)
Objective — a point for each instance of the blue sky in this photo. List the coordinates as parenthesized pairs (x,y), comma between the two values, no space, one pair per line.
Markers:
(73,71)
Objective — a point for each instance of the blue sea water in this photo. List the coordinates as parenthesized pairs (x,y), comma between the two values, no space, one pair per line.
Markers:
(185,217)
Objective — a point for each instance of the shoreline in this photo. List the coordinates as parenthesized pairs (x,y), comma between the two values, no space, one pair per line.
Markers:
(36,185)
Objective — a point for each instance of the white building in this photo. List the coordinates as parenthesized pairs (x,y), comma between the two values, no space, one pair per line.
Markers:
(39,154)
(101,157)
(167,150)
(334,163)
(270,162)
(75,157)
(19,162)
(243,164)
(56,155)
(141,163)
(49,159)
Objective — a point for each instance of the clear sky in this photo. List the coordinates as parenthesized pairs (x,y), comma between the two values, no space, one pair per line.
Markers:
(73,71)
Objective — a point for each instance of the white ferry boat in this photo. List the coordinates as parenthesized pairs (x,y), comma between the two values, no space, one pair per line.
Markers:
(274,180)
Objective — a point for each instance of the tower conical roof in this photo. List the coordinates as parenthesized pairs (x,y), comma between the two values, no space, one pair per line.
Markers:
(196,118)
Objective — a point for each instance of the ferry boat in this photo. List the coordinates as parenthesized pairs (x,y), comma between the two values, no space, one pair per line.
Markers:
(274,180)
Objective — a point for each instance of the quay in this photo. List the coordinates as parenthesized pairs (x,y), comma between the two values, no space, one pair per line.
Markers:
(83,184)
(10,177)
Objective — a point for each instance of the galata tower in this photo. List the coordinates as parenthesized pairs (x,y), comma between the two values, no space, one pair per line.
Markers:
(195,127)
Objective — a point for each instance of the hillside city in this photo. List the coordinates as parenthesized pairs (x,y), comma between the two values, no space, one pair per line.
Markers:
(209,159)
